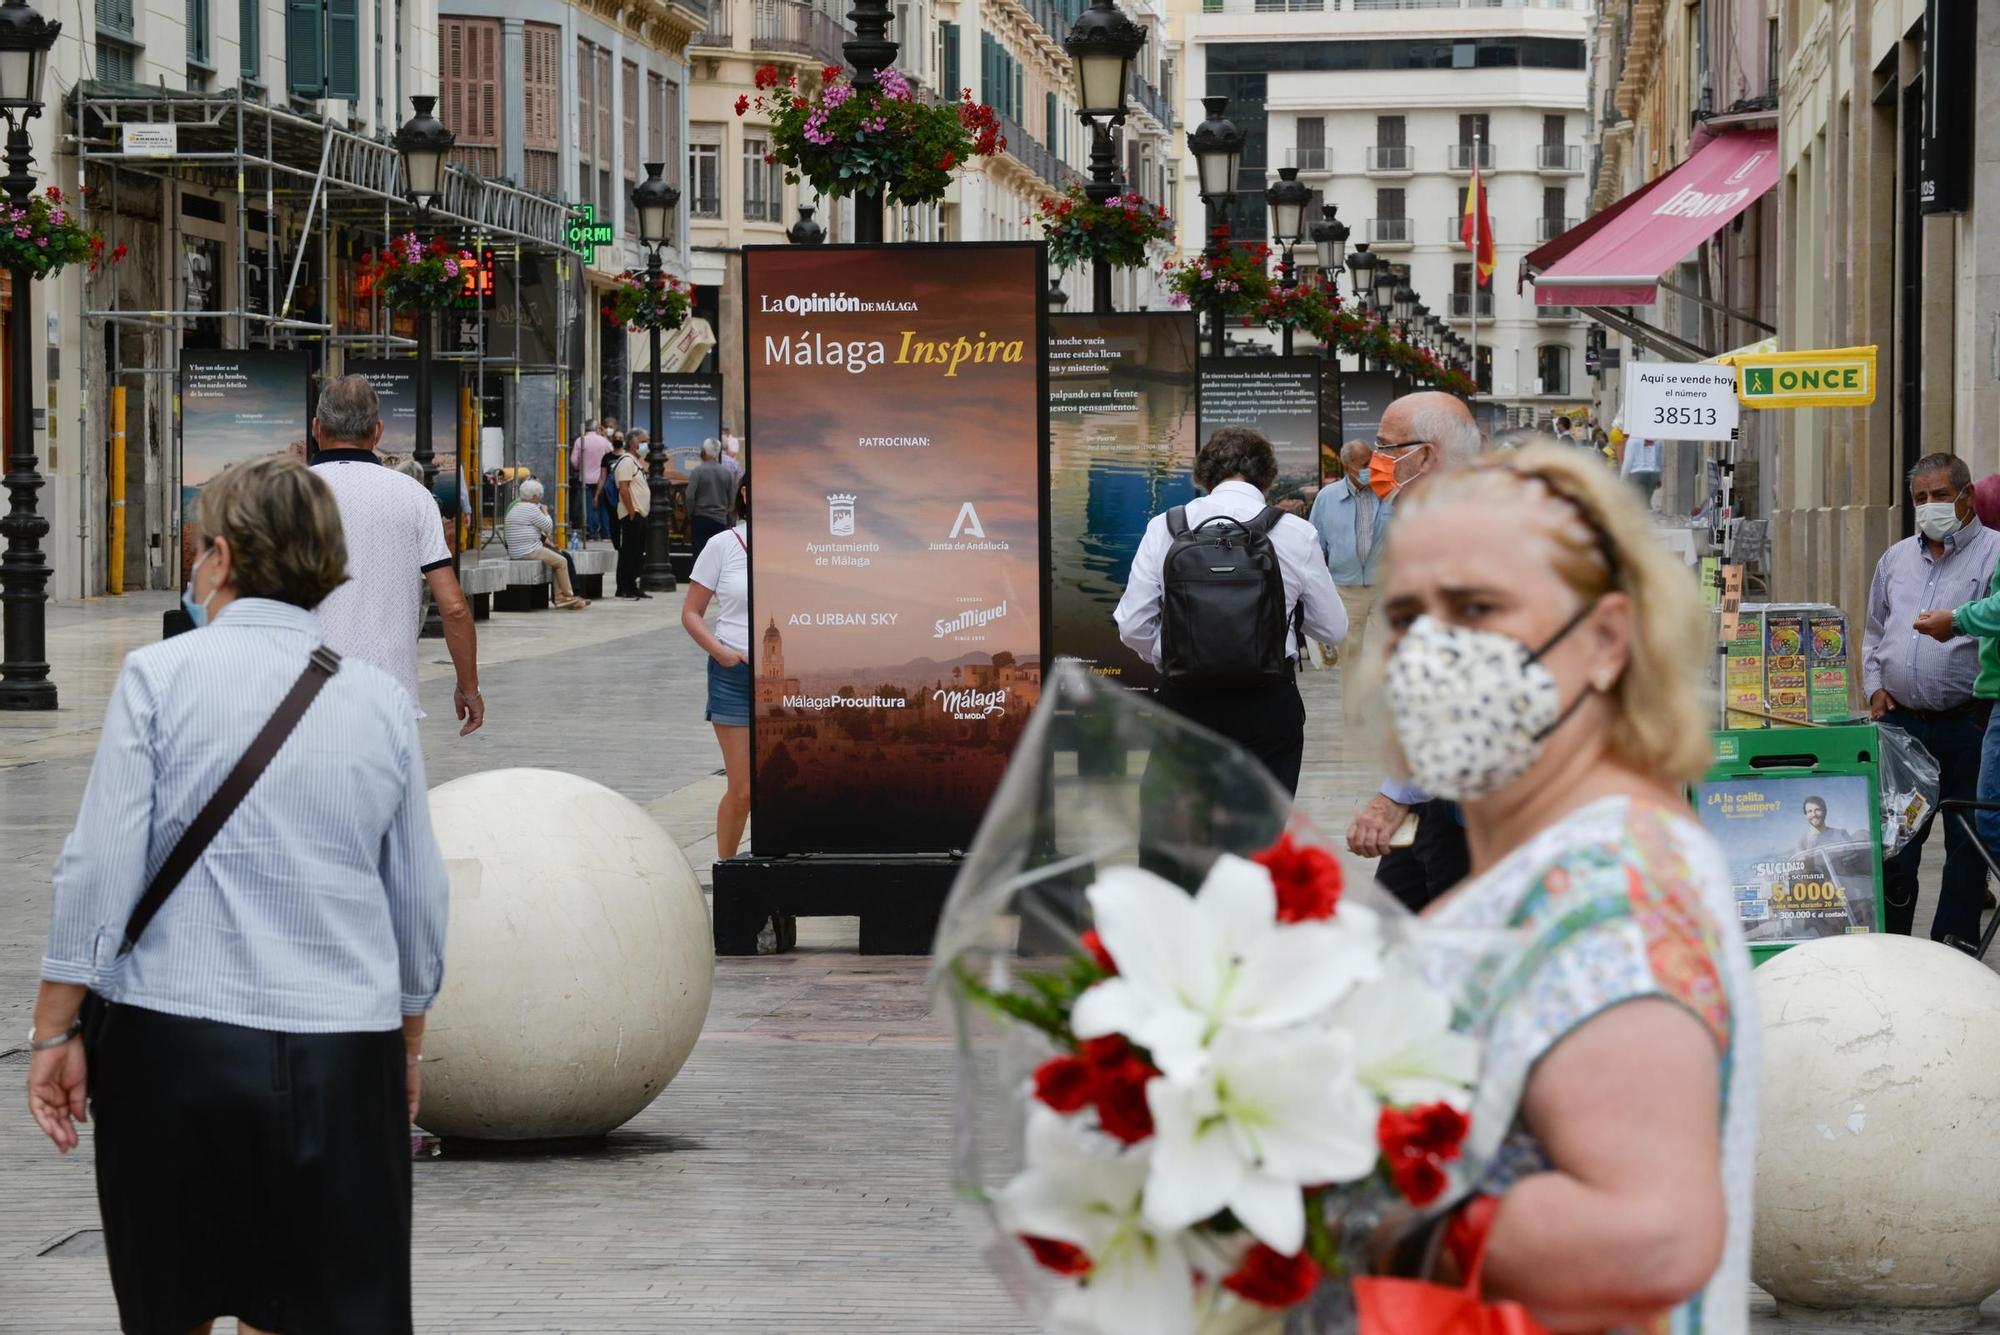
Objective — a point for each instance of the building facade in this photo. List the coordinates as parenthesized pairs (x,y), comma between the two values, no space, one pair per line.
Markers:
(1380,108)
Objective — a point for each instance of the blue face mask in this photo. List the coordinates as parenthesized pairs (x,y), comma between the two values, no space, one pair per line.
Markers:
(197,611)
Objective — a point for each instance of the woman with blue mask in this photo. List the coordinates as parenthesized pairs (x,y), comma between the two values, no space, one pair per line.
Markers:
(247,929)
(1545,669)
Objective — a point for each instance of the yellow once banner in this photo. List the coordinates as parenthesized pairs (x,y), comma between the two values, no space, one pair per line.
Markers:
(1830,377)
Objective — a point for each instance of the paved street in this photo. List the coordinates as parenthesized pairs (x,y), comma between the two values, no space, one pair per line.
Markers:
(793,1178)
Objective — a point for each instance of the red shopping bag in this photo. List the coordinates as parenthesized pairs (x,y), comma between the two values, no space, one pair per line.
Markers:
(1419,1307)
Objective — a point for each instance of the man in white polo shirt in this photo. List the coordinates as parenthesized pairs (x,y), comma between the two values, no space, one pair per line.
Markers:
(395,544)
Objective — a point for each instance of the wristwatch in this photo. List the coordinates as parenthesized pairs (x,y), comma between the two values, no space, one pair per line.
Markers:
(54,1040)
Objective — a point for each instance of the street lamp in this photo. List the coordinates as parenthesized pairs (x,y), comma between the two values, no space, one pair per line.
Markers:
(1055,298)
(654,201)
(1385,289)
(1329,238)
(1405,295)
(1102,43)
(1287,198)
(870,50)
(1217,146)
(25,39)
(1361,273)
(424,144)
(806,231)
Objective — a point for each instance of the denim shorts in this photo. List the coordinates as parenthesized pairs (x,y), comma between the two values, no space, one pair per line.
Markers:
(729,694)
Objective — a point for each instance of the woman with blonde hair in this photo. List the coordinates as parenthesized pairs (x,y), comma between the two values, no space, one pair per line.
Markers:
(1545,668)
(248,927)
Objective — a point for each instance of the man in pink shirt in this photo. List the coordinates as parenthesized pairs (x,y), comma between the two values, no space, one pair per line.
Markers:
(586,463)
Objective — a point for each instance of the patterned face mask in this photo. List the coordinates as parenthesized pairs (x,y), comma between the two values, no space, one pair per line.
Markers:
(1472,708)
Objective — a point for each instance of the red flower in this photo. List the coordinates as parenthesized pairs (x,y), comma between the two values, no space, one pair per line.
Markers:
(1307,879)
(1271,1279)
(1120,1088)
(1441,1129)
(53,192)
(118,252)
(1093,945)
(742,103)
(767,76)
(1418,1142)
(828,73)
(1065,1083)
(1062,1257)
(1420,1180)
(948,161)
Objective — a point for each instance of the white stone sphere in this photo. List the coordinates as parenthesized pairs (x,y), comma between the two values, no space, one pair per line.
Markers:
(1878,1159)
(578,964)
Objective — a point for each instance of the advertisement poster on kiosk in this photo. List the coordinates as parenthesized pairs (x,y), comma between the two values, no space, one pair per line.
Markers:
(1121,450)
(896,403)
(235,406)
(690,413)
(1801,853)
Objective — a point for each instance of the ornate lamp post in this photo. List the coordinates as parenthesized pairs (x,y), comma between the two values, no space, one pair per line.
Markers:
(654,201)
(25,39)
(424,143)
(1103,43)
(1329,238)
(806,231)
(1361,273)
(870,50)
(1287,198)
(1055,298)
(1218,153)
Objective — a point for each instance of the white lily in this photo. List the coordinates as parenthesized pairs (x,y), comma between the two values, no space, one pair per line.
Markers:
(1405,1051)
(1268,1116)
(1190,967)
(1083,1189)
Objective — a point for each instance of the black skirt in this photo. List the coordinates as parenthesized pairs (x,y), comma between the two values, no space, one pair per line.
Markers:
(253,1174)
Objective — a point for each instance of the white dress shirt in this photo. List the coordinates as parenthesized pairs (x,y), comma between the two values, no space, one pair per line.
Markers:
(1308,586)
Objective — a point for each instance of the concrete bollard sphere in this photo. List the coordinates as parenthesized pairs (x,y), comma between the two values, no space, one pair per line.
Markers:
(578,965)
(1878,1159)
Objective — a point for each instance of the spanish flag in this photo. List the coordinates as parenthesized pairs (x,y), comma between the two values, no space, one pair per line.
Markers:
(1475,229)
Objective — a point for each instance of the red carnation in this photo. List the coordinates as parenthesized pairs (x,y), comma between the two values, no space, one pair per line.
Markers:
(1271,1279)
(1064,1083)
(1121,1097)
(742,103)
(828,73)
(1420,1180)
(767,76)
(54,192)
(1307,879)
(1093,945)
(1062,1257)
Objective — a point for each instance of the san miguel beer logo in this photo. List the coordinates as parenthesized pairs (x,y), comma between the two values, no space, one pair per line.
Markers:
(965,621)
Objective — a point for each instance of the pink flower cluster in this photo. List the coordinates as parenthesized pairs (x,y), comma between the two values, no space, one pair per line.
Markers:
(894,84)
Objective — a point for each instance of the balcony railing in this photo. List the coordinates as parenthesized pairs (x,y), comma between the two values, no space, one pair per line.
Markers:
(1561,313)
(1149,98)
(1560,158)
(1268,6)
(1454,226)
(1548,229)
(706,206)
(1461,305)
(799,30)
(1048,15)
(721,30)
(1461,157)
(1031,153)
(1369,6)
(1389,231)
(1390,158)
(1310,159)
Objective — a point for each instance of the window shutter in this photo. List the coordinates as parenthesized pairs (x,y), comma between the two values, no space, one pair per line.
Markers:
(249,23)
(451,71)
(950,83)
(302,74)
(343,49)
(486,76)
(633,171)
(539,58)
(586,75)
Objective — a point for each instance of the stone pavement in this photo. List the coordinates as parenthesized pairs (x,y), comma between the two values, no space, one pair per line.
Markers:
(793,1178)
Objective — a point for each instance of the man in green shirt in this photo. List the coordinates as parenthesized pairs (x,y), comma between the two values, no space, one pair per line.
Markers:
(1980,618)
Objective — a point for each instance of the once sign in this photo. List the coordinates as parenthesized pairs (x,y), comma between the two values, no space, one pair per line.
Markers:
(1839,377)
(1680,401)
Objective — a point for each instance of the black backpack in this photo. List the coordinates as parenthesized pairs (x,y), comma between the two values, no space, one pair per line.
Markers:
(1223,617)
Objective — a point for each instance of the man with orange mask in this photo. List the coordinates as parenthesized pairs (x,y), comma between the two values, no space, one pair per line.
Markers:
(1351,521)
(1419,433)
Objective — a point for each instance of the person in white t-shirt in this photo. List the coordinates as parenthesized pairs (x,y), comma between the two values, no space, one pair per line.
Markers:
(395,546)
(722,576)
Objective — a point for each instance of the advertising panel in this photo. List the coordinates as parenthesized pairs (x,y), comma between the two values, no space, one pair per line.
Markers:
(1365,397)
(1121,450)
(235,406)
(690,413)
(1278,396)
(895,397)
(1800,852)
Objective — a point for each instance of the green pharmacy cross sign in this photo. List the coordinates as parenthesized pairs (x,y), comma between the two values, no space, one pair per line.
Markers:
(586,234)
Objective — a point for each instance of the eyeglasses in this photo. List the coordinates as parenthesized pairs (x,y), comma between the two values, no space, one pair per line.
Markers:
(1387,446)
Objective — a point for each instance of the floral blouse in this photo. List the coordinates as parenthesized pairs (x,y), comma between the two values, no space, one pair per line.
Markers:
(1616,902)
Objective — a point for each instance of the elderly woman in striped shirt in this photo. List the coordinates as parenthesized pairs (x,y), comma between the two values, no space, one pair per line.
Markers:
(241,969)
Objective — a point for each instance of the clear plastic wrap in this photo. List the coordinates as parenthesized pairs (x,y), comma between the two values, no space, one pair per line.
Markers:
(1908,775)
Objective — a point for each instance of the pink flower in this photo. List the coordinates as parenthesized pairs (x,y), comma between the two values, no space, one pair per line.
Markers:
(451,268)
(57,216)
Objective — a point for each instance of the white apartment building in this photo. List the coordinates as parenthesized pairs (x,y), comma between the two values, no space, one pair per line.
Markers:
(1379,104)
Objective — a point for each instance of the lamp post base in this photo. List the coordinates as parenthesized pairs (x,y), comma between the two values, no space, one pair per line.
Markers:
(26,695)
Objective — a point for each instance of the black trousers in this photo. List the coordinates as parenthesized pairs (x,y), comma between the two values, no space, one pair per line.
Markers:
(1438,860)
(701,528)
(1267,721)
(1955,740)
(631,552)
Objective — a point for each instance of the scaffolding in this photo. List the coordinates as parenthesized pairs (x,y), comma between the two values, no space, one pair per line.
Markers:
(322,178)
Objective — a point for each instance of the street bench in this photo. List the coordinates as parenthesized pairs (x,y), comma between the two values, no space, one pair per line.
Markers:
(591,568)
(529,586)
(480,583)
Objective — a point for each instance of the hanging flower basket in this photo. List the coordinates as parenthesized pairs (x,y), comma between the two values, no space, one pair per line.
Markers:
(45,234)
(1117,231)
(846,140)
(411,275)
(1303,308)
(1233,278)
(636,303)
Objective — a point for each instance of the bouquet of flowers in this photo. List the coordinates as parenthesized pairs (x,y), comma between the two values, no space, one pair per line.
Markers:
(1117,231)
(846,139)
(1232,276)
(635,302)
(46,233)
(413,275)
(1304,307)
(1192,1113)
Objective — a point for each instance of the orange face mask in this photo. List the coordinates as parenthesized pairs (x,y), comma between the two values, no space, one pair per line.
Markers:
(1383,478)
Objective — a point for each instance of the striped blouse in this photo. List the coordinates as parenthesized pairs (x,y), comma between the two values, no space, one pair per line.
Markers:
(320,906)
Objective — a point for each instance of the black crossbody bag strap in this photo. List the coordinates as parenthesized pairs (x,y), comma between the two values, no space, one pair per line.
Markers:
(208,822)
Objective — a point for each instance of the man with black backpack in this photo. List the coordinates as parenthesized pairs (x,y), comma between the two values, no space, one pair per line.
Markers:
(1222,592)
